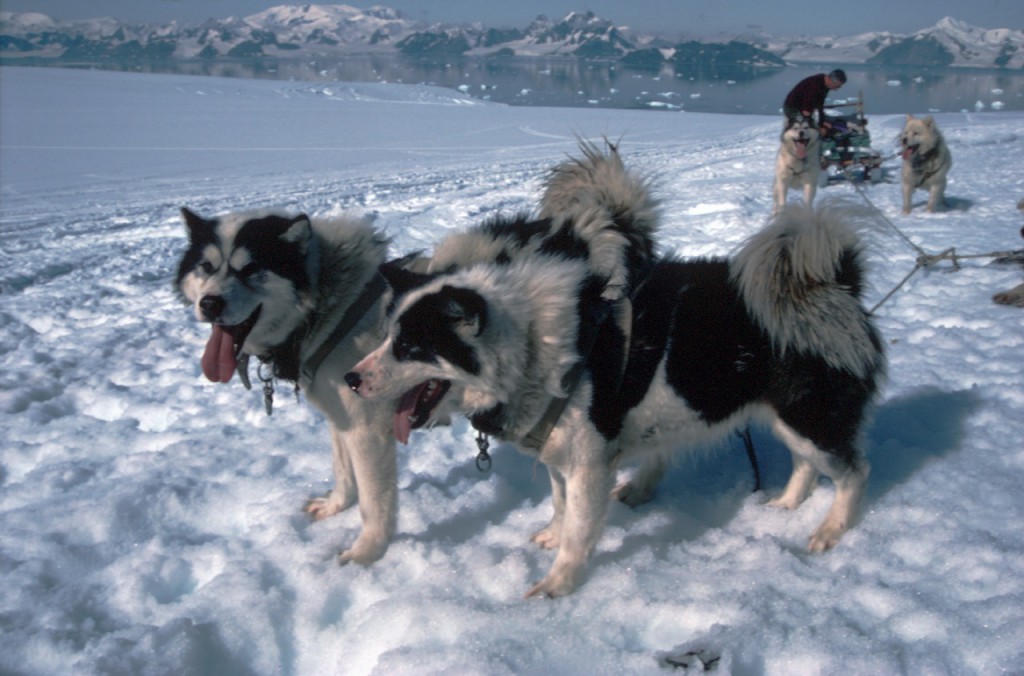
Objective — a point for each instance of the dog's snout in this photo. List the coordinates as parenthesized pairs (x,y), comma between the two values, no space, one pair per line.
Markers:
(354,380)
(212,306)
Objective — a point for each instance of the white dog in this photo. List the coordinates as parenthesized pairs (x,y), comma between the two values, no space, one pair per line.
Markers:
(926,162)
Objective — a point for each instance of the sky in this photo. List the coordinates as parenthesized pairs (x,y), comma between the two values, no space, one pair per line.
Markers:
(150,521)
(782,17)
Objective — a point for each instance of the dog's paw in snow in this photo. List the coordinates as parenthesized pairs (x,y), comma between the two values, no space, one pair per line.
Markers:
(328,505)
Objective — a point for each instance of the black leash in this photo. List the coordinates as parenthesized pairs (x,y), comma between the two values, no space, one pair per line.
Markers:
(748,443)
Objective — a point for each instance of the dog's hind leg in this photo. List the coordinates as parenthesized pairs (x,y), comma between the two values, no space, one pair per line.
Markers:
(849,481)
(848,471)
(799,486)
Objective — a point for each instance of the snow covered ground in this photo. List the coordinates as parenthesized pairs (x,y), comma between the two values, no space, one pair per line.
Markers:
(150,521)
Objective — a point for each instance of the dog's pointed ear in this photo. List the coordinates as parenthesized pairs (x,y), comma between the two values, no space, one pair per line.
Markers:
(465,308)
(910,116)
(298,230)
(194,223)
(400,279)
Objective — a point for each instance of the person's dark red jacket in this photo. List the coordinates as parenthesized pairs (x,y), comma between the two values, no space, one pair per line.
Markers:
(808,94)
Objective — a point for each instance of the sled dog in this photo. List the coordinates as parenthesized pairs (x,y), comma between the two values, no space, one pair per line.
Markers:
(926,162)
(592,209)
(798,162)
(1014,296)
(304,297)
(776,333)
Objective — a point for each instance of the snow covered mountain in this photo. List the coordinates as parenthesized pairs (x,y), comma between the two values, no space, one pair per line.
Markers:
(948,43)
(322,30)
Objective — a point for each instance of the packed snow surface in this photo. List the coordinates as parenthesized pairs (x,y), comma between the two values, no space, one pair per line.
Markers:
(150,521)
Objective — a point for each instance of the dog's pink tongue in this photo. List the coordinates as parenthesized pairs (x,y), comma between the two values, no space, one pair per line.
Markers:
(801,150)
(219,356)
(907,152)
(402,424)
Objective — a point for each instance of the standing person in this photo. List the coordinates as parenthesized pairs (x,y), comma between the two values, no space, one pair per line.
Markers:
(809,95)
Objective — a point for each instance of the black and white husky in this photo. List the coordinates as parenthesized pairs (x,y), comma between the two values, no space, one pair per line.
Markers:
(776,333)
(593,210)
(304,297)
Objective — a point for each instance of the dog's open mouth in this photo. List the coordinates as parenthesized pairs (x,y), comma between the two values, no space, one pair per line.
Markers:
(908,151)
(415,407)
(220,358)
(801,147)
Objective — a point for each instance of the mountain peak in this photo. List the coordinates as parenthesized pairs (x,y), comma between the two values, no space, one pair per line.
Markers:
(292,31)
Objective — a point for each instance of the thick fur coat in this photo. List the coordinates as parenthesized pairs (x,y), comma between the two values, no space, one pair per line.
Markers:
(592,210)
(797,163)
(926,162)
(777,334)
(275,286)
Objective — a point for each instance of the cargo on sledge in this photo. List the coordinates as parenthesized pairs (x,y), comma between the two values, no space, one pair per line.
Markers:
(846,152)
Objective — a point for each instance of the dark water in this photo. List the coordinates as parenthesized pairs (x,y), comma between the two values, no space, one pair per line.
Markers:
(566,81)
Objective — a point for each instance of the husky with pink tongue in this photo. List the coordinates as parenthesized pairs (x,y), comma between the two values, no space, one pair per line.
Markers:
(798,162)
(304,297)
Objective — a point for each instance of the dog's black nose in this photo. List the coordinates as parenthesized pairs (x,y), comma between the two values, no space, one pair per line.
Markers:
(212,306)
(353,380)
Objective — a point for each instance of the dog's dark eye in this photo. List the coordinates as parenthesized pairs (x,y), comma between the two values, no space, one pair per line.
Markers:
(207,267)
(407,350)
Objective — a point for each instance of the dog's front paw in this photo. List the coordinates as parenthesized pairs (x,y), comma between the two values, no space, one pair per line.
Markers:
(546,538)
(1014,296)
(556,584)
(630,494)
(365,551)
(826,537)
(782,502)
(328,505)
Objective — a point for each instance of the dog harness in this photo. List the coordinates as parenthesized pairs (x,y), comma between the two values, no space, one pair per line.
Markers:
(537,436)
(373,290)
(921,165)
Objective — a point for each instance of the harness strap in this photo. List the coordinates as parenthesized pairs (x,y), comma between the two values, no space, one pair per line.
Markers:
(920,165)
(373,290)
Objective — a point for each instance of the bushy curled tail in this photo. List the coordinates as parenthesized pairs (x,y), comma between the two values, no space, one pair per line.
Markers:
(801,279)
(598,178)
(611,207)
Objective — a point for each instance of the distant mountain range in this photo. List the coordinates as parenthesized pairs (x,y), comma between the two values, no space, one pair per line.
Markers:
(294,31)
